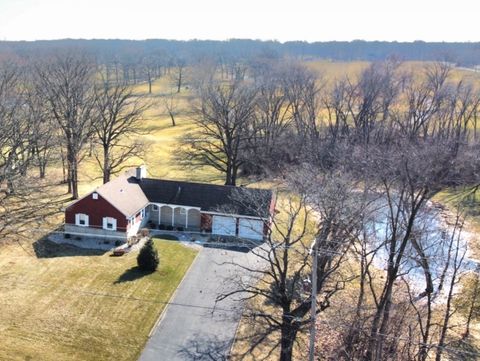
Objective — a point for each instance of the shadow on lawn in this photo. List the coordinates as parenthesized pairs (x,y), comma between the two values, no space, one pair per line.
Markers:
(132,274)
(47,249)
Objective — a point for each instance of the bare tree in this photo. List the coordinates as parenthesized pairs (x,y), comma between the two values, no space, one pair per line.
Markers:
(223,119)
(15,150)
(178,73)
(19,194)
(151,69)
(268,145)
(120,115)
(456,256)
(66,84)
(303,88)
(326,211)
(43,131)
(170,103)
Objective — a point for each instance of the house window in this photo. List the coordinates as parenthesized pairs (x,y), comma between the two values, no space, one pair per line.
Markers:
(155,207)
(109,223)
(143,213)
(95,195)
(183,211)
(81,219)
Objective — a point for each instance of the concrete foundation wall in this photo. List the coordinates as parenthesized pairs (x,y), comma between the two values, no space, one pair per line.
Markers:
(94,232)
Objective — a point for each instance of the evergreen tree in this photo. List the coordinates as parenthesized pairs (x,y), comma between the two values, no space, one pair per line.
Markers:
(147,258)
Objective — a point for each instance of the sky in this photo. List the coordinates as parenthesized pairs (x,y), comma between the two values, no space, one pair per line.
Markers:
(306,20)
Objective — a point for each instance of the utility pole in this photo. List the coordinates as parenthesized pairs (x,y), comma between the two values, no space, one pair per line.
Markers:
(313,307)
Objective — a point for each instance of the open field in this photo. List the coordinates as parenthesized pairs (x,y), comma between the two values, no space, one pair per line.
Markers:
(63,303)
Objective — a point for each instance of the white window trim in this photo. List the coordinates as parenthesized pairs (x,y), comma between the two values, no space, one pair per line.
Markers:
(112,221)
(80,216)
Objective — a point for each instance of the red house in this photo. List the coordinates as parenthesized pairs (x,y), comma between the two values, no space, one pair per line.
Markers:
(119,208)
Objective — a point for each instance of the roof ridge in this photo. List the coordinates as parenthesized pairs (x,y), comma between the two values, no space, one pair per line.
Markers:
(203,183)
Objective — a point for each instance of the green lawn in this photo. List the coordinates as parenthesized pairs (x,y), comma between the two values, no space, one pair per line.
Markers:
(61,303)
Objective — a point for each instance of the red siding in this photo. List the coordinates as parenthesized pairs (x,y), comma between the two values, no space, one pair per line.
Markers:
(96,209)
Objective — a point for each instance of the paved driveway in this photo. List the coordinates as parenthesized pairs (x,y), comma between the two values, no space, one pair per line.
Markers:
(193,327)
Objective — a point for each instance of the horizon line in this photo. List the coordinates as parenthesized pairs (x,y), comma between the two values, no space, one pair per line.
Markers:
(244,39)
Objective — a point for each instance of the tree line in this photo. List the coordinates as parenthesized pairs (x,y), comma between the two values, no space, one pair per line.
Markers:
(135,53)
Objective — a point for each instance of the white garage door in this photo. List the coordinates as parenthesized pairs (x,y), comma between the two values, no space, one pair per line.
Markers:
(250,228)
(224,226)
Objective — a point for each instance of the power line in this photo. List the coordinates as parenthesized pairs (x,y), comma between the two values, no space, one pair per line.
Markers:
(129,298)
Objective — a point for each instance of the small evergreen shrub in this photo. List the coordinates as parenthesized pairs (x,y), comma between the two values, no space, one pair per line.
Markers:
(147,258)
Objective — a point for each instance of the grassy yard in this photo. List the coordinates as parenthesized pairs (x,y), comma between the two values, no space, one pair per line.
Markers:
(62,303)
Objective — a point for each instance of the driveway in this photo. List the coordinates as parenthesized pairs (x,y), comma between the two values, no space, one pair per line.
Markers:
(193,327)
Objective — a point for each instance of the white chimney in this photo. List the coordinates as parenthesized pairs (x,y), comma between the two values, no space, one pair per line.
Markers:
(141,172)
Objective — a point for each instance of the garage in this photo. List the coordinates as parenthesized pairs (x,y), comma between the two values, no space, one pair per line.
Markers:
(250,229)
(224,226)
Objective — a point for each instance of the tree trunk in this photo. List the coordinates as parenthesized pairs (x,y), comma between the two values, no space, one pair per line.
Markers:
(231,175)
(288,334)
(172,117)
(375,342)
(74,180)
(41,169)
(69,178)
(179,84)
(73,173)
(106,165)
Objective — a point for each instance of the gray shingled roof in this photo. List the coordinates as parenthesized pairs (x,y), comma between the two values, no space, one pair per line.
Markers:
(209,197)
(124,193)
(129,195)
